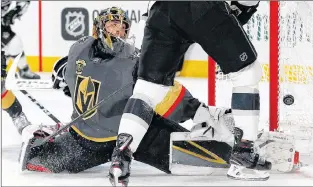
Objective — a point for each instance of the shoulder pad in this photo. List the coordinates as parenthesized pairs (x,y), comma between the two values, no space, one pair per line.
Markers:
(84,41)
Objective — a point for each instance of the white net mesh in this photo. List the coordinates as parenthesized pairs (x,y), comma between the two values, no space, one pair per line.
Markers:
(295,69)
(296,75)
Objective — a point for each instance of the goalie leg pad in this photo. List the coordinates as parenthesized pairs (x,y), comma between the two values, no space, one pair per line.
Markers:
(154,147)
(279,149)
(202,152)
(169,155)
(72,153)
(168,147)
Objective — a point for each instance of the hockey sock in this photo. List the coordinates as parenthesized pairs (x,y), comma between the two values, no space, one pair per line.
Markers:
(10,104)
(246,110)
(136,120)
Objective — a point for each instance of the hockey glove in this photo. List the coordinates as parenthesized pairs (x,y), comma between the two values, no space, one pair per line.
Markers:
(243,12)
(58,76)
(66,91)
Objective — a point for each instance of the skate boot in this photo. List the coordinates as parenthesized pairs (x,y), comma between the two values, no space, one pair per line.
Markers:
(25,73)
(20,122)
(30,135)
(246,164)
(121,160)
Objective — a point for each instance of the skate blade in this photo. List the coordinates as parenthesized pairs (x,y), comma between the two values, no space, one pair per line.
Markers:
(242,173)
(248,179)
(116,172)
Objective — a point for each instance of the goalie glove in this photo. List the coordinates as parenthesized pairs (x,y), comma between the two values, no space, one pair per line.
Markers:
(214,123)
(244,10)
(58,76)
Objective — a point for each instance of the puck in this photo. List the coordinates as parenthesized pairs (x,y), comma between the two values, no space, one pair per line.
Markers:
(289,99)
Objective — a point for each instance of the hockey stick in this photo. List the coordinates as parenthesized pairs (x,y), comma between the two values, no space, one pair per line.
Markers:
(24,84)
(39,143)
(42,108)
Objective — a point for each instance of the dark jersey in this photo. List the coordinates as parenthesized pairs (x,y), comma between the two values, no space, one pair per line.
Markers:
(92,78)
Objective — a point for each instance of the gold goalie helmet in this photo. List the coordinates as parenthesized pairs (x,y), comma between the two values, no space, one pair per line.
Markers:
(112,28)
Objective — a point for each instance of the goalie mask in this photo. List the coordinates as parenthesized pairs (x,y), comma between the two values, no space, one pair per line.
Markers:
(112,28)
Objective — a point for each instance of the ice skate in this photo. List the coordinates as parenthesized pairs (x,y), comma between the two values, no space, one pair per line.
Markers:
(246,164)
(25,73)
(20,122)
(121,160)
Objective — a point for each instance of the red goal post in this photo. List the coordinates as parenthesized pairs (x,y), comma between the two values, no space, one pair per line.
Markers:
(283,37)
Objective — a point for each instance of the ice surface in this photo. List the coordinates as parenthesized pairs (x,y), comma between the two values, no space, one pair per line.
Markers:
(142,175)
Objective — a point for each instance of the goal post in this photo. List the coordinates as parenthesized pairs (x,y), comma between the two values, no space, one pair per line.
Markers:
(282,33)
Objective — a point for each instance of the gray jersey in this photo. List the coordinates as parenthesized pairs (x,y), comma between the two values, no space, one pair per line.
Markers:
(92,79)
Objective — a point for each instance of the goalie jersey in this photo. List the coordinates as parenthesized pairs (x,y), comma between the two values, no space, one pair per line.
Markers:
(92,77)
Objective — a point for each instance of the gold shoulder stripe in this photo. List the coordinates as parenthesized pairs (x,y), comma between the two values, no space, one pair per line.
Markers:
(112,138)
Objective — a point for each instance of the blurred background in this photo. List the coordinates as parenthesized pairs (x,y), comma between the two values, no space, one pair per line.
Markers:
(49,28)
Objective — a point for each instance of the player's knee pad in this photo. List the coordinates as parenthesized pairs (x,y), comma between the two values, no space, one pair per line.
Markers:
(150,92)
(249,76)
(14,47)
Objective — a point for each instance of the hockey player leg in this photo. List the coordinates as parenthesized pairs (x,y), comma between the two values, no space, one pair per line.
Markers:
(158,63)
(86,154)
(246,110)
(9,102)
(236,54)
(65,152)
(12,106)
(15,47)
(138,114)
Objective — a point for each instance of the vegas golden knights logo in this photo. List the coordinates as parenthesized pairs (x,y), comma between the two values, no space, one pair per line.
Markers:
(86,95)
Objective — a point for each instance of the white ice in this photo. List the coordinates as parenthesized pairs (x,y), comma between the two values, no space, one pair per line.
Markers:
(142,175)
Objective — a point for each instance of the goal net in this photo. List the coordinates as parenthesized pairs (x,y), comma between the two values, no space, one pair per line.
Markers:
(282,33)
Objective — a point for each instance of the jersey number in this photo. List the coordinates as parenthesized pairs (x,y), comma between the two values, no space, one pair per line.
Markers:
(86,95)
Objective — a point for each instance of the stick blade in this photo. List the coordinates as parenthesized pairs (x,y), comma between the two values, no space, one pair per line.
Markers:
(11,73)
